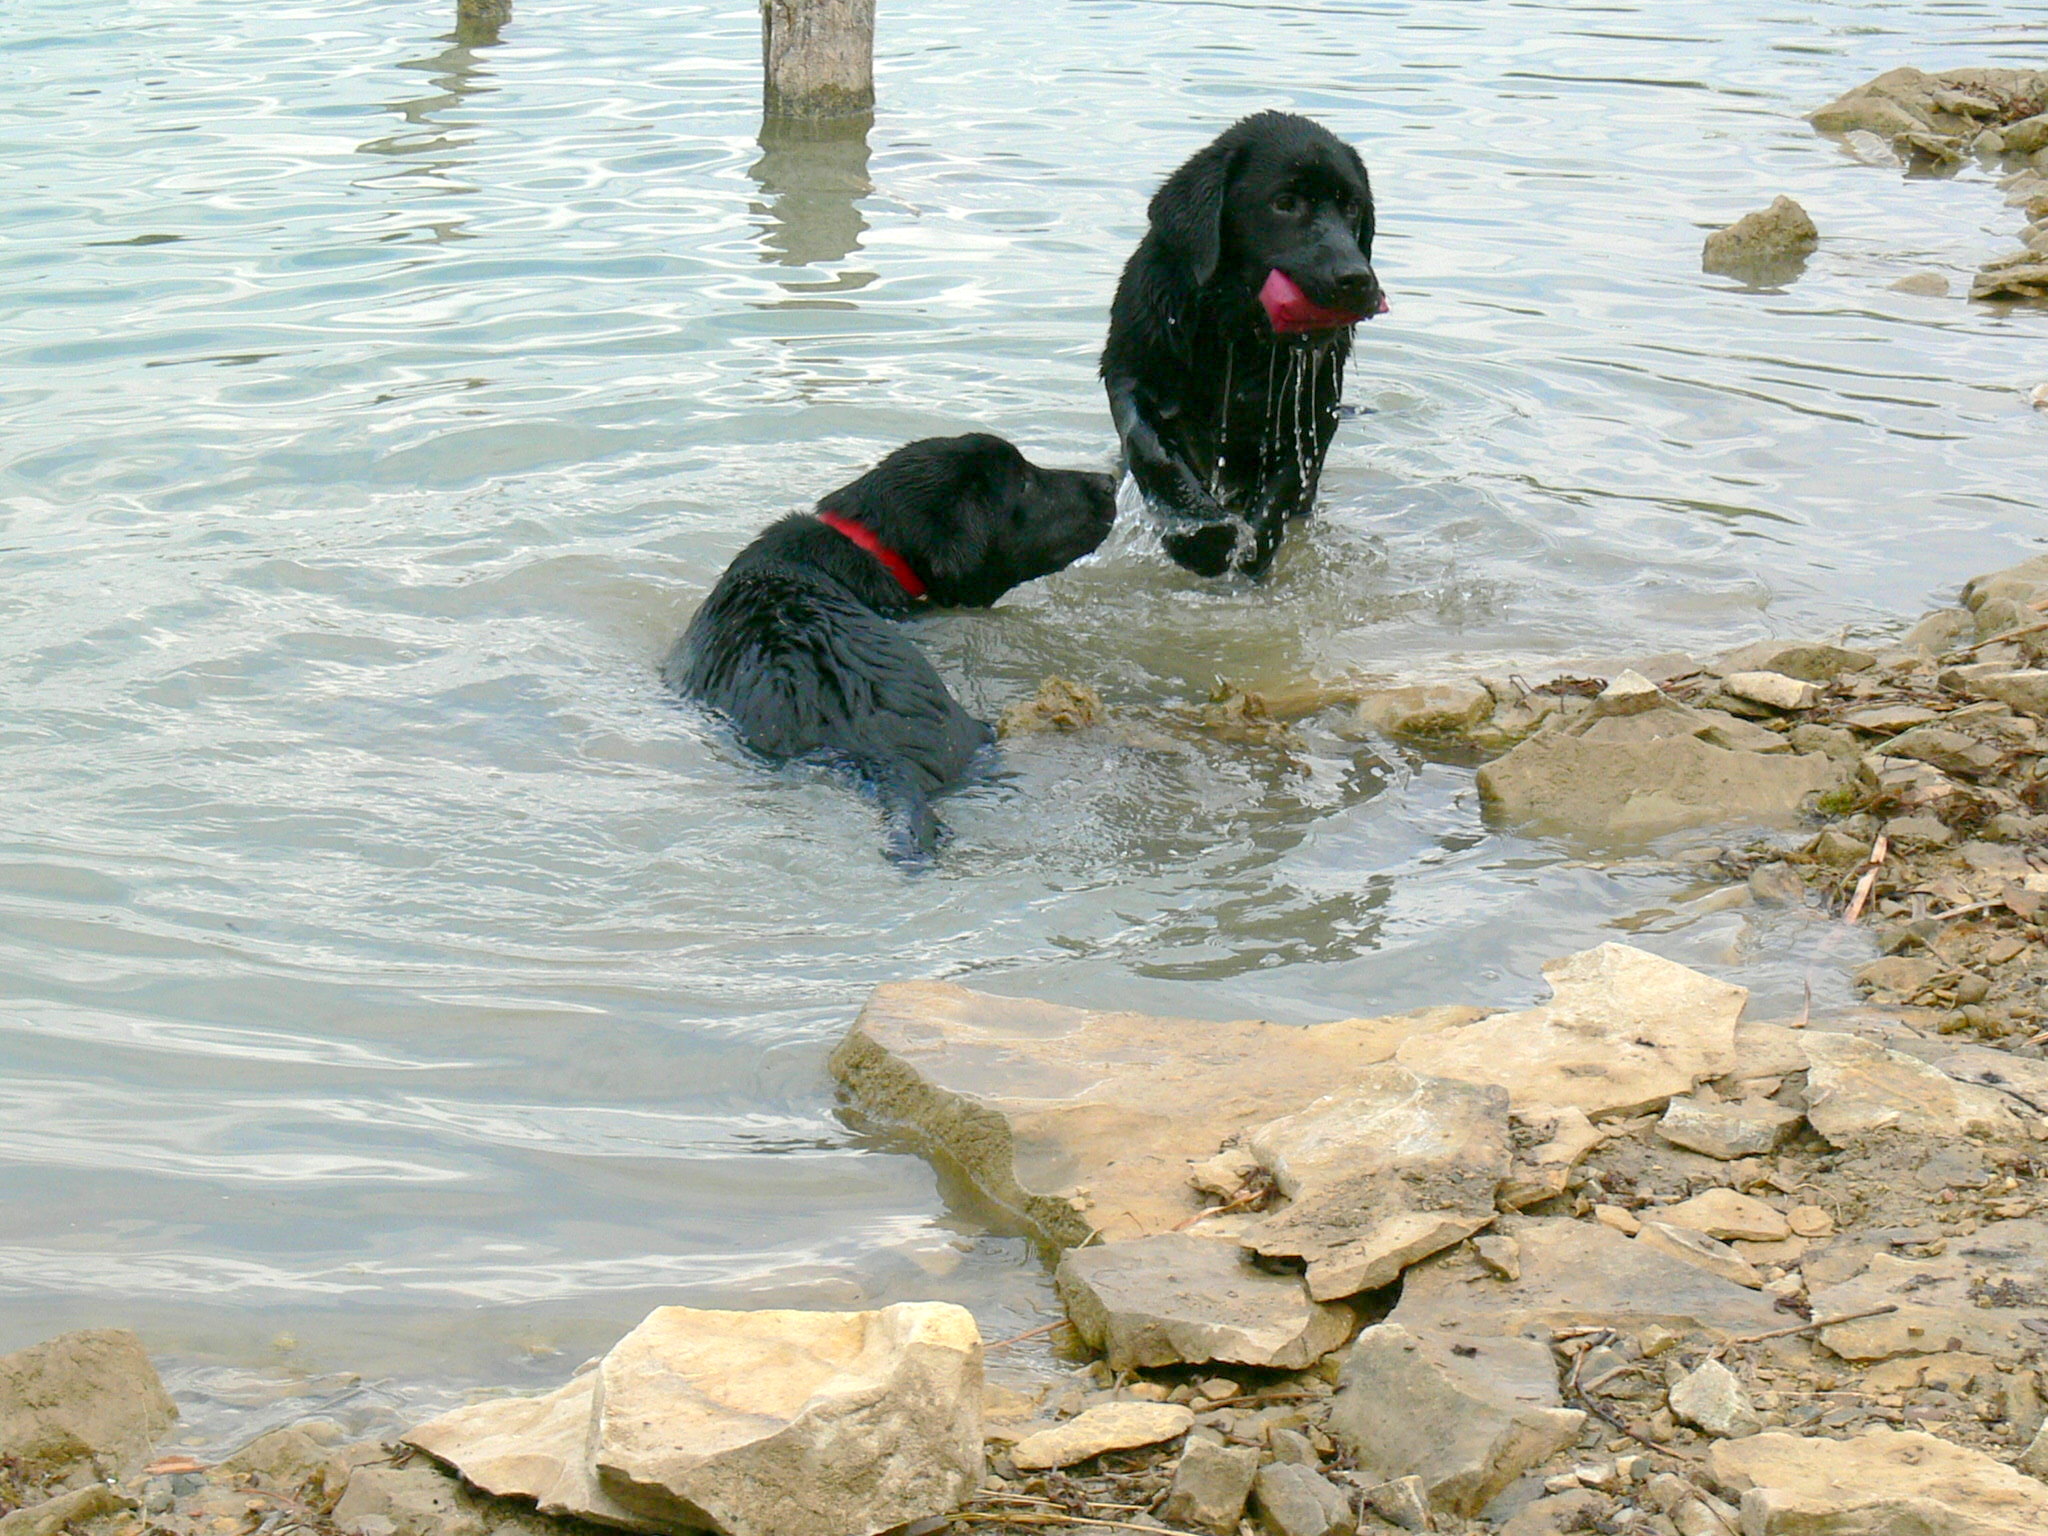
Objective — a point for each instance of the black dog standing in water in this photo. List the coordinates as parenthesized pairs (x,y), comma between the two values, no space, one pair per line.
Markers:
(795,644)
(1229,334)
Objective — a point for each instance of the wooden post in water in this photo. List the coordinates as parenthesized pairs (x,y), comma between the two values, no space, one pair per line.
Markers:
(817,59)
(477,21)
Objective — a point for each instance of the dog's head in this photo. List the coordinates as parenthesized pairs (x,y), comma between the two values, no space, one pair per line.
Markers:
(974,517)
(1275,193)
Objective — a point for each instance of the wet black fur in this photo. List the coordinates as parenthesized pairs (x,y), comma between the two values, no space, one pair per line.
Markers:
(1224,422)
(796,646)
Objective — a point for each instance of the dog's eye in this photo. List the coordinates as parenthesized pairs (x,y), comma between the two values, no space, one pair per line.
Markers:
(1287,203)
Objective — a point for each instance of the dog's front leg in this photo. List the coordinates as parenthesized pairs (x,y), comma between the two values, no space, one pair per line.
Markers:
(1199,534)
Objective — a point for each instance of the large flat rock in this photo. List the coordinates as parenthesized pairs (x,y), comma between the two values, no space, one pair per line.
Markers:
(1980,1295)
(1576,1274)
(1882,1483)
(1380,1174)
(1182,1299)
(1624,1031)
(1856,1088)
(1085,1124)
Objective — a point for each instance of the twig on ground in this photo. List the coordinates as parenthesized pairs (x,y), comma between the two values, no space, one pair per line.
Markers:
(1817,1323)
(1878,850)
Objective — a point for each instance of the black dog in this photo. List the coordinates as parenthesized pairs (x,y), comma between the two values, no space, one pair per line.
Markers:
(1229,334)
(794,643)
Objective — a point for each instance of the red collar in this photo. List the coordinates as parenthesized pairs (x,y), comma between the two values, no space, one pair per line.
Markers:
(898,567)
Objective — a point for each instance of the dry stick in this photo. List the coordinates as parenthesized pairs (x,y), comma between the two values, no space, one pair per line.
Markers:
(1818,1323)
(1982,906)
(1032,1498)
(1029,1333)
(1878,850)
(1034,1517)
(1599,1411)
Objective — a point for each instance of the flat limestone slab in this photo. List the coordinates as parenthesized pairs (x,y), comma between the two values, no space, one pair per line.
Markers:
(1380,1174)
(1881,1482)
(1182,1299)
(1576,1274)
(1110,1427)
(1856,1088)
(1086,1123)
(1624,1031)
(1977,1296)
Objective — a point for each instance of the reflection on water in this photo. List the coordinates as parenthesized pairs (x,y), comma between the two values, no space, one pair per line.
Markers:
(813,176)
(387,962)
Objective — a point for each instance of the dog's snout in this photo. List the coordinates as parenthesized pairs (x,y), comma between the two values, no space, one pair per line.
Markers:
(1355,287)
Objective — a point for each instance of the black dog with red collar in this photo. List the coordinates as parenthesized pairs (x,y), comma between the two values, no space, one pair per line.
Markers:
(795,644)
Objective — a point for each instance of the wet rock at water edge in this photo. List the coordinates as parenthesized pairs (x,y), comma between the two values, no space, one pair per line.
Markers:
(1110,1427)
(65,1512)
(1767,247)
(772,1423)
(86,1403)
(1180,1298)
(1211,1483)
(1086,1124)
(1466,1425)
(1385,1172)
(1881,1483)
(1426,709)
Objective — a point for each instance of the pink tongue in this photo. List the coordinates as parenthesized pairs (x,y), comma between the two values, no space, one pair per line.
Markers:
(1291,310)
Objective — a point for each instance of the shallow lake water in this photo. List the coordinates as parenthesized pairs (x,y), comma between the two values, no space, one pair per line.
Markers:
(397,981)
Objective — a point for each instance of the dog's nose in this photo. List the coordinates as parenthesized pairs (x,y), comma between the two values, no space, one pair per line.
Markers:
(1356,289)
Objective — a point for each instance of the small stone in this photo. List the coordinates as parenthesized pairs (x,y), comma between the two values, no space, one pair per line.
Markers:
(1752,1128)
(1712,1399)
(1111,1427)
(1291,1445)
(1293,1500)
(1773,689)
(2034,1459)
(1618,1218)
(1729,1216)
(1926,285)
(1210,1485)
(1696,1248)
(1220,1388)
(1400,1502)
(1837,849)
(1770,245)
(1630,693)
(1502,1256)
(1575,1509)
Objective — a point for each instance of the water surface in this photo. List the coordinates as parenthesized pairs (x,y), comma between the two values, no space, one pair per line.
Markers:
(397,981)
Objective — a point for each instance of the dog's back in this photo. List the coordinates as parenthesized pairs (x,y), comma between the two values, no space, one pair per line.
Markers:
(803,667)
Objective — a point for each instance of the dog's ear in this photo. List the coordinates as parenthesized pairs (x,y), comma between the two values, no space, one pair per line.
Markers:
(1187,210)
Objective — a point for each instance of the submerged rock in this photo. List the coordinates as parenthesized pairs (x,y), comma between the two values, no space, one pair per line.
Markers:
(1059,706)
(1380,1174)
(1177,1298)
(1426,709)
(82,1402)
(772,1423)
(1768,246)
(1589,779)
(1466,1425)
(1881,1482)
